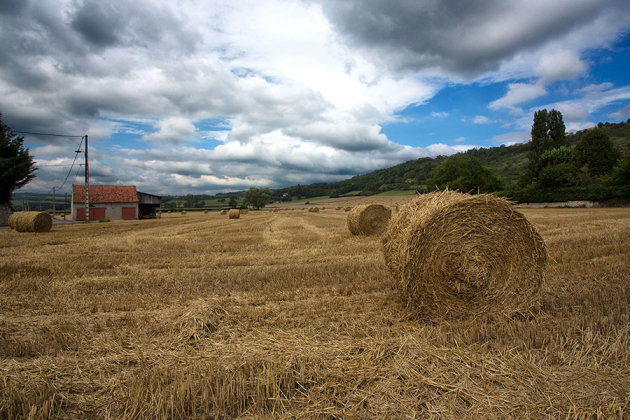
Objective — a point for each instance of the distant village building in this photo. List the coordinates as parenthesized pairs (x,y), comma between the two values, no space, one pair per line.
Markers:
(116,202)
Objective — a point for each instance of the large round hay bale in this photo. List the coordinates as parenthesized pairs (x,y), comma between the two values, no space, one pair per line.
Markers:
(234,214)
(456,255)
(30,221)
(369,219)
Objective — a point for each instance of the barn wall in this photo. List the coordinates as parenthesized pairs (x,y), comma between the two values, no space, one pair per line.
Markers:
(112,210)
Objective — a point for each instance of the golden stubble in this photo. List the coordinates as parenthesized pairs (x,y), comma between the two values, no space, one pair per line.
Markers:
(287,315)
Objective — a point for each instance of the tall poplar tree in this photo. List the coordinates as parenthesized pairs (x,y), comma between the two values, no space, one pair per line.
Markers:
(548,132)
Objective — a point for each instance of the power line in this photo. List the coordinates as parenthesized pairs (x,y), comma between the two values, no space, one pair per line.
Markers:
(64,164)
(76,153)
(46,134)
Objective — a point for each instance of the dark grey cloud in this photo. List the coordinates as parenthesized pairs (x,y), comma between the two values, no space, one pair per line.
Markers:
(466,38)
(12,7)
(98,23)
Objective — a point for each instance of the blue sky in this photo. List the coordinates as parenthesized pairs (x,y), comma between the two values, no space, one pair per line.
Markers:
(212,96)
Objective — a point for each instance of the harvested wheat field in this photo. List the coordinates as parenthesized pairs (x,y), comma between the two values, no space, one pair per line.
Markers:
(288,315)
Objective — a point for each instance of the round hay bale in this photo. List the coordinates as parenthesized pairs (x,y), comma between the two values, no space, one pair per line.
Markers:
(243,211)
(30,221)
(224,212)
(314,209)
(234,214)
(368,219)
(205,212)
(183,211)
(455,255)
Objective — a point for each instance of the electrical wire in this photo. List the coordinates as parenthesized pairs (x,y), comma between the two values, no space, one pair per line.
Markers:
(76,153)
(46,134)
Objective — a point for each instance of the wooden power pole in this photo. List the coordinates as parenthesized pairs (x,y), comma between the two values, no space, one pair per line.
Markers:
(87,183)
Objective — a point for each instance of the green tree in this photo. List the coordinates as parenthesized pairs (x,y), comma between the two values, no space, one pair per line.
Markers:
(596,151)
(190,201)
(548,132)
(465,173)
(16,164)
(257,197)
(233,203)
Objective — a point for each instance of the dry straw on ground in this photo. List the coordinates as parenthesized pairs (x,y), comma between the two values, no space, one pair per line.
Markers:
(347,209)
(369,219)
(234,214)
(457,255)
(30,221)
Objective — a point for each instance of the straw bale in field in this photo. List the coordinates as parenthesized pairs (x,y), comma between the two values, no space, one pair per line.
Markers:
(205,212)
(457,255)
(183,211)
(314,209)
(224,212)
(368,219)
(30,221)
(234,214)
(347,209)
(244,211)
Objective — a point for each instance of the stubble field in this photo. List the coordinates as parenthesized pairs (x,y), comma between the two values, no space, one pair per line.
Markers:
(287,315)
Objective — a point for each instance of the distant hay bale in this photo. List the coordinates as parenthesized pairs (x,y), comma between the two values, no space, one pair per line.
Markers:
(314,210)
(347,209)
(243,211)
(224,212)
(276,210)
(30,221)
(456,255)
(183,211)
(338,208)
(205,212)
(234,214)
(369,219)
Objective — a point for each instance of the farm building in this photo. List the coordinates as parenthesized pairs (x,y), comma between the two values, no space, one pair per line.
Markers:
(116,202)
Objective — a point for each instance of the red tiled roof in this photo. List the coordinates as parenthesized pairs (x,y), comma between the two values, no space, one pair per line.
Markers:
(105,194)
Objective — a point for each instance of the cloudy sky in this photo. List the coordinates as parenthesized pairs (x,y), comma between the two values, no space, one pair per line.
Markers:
(209,96)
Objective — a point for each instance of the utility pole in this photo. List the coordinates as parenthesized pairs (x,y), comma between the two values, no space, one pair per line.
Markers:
(53,203)
(87,183)
(65,206)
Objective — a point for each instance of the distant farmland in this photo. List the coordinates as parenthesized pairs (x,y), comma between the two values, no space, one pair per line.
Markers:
(285,314)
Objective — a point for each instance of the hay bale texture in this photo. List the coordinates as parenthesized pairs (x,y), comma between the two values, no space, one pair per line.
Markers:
(30,221)
(224,212)
(369,219)
(234,214)
(458,256)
